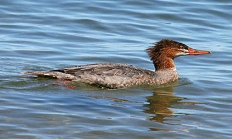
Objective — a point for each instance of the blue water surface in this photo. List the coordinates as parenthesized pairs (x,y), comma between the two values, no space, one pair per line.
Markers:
(45,35)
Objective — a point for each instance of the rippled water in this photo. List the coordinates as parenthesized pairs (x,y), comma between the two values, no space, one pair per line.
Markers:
(47,35)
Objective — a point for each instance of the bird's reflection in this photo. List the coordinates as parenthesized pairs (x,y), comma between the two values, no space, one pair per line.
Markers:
(159,105)
(160,102)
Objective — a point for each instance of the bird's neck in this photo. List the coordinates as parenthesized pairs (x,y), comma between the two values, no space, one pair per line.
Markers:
(163,63)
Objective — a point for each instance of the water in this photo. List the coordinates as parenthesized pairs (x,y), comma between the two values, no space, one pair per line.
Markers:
(47,35)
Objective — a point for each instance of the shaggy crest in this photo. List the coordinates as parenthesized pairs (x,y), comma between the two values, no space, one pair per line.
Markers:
(156,50)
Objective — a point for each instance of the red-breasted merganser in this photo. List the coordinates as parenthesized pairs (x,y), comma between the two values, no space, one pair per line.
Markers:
(114,75)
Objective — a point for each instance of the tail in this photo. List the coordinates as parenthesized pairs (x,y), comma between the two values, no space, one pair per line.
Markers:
(35,73)
(52,74)
(39,74)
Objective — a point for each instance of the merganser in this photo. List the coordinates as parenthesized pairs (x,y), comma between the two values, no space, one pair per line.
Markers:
(115,76)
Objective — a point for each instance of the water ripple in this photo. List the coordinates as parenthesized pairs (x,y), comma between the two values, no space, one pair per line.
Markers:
(39,35)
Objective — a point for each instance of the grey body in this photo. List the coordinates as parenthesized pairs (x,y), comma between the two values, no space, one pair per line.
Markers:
(112,75)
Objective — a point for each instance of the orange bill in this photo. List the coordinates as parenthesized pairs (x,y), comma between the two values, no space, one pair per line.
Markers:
(192,51)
